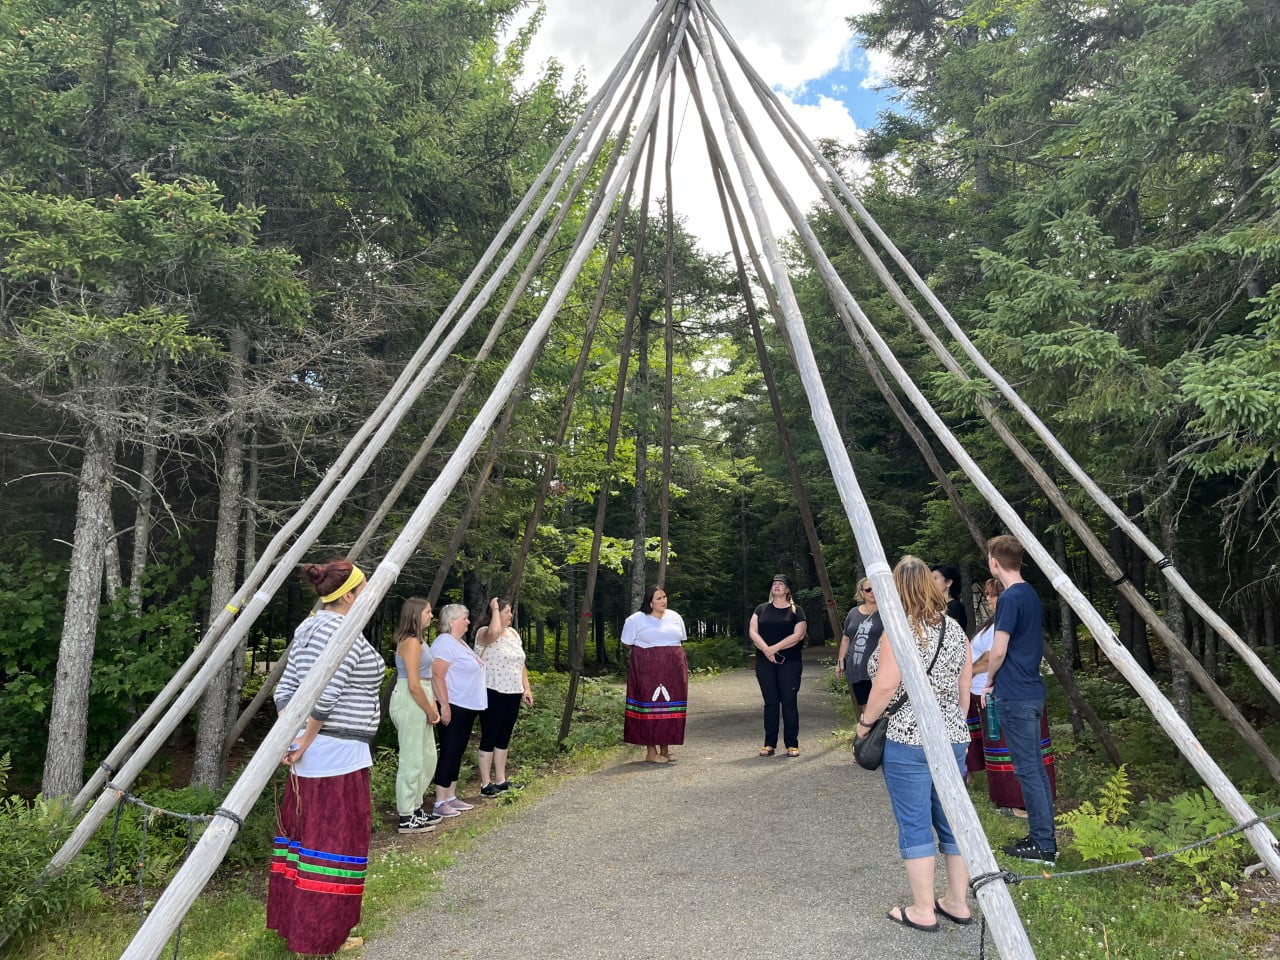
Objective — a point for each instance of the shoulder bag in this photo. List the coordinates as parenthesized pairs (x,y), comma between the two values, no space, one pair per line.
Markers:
(868,751)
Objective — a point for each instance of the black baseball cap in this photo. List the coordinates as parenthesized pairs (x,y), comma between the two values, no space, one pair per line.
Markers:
(781,578)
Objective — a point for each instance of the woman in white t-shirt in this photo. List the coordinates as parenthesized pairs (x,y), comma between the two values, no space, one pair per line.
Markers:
(981,648)
(507,686)
(657,677)
(457,676)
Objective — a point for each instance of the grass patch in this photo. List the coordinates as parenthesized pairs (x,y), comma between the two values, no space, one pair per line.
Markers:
(227,921)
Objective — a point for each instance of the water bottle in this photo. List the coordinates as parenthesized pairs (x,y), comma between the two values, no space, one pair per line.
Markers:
(991,728)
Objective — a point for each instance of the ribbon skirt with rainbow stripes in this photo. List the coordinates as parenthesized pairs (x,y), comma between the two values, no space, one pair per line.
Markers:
(319,861)
(657,696)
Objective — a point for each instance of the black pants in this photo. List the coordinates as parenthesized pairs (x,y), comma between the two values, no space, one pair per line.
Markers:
(498,720)
(453,744)
(780,685)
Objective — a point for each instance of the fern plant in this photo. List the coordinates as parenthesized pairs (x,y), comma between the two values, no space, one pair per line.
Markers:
(1096,828)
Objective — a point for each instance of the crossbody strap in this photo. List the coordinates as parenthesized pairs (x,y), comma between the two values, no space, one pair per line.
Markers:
(899,700)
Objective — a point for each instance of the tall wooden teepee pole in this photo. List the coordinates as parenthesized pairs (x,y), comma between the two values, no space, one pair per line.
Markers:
(997,903)
(1261,838)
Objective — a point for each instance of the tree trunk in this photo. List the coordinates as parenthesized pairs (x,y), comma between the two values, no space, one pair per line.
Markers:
(250,558)
(69,710)
(540,638)
(639,506)
(213,724)
(1067,627)
(112,579)
(143,521)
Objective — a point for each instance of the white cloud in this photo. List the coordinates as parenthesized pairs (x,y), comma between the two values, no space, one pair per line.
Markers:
(791,44)
(879,64)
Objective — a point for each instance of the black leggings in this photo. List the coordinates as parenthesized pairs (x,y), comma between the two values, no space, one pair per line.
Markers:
(497,722)
(780,685)
(453,744)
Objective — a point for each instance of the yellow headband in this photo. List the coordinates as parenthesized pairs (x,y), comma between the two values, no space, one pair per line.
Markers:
(353,581)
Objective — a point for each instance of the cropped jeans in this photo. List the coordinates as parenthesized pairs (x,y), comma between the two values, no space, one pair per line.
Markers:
(915,801)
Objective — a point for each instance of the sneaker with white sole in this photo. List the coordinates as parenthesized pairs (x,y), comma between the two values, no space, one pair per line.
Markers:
(413,823)
(459,805)
(427,816)
(442,809)
(1028,849)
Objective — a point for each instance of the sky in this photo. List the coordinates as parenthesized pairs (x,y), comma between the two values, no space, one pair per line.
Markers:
(803,48)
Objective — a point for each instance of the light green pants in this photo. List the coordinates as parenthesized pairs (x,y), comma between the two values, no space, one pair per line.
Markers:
(417,748)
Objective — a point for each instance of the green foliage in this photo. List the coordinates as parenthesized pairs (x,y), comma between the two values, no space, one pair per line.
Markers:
(134,658)
(30,833)
(1096,829)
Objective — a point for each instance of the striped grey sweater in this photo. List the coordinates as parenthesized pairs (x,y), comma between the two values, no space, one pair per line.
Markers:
(349,707)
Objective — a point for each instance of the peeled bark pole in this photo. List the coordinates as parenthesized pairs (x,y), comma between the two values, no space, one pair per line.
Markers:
(1263,841)
(995,898)
(854,319)
(209,851)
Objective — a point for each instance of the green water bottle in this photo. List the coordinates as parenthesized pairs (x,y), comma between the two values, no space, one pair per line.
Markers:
(991,729)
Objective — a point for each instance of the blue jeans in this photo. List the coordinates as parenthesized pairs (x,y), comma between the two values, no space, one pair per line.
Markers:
(1020,723)
(915,802)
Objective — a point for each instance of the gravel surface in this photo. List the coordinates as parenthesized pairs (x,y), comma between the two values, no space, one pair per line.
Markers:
(722,854)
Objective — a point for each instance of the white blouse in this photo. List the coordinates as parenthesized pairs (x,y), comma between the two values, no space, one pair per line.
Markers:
(504,663)
(981,644)
(464,683)
(645,630)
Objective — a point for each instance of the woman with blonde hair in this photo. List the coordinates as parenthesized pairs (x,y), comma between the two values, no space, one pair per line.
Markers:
(414,713)
(941,645)
(777,631)
(858,640)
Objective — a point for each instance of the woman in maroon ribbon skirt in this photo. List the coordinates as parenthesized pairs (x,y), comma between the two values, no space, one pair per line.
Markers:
(657,678)
(321,850)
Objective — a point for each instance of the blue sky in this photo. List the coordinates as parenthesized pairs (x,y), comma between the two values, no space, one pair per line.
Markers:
(803,48)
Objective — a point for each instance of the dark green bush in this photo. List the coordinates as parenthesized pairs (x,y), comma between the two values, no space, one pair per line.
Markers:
(30,834)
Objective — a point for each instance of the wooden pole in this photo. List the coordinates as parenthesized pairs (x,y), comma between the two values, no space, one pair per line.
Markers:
(668,339)
(1113,510)
(220,649)
(998,908)
(1173,643)
(578,632)
(1263,841)
(209,851)
(473,503)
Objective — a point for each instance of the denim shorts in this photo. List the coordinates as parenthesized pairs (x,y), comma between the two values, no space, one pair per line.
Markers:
(915,802)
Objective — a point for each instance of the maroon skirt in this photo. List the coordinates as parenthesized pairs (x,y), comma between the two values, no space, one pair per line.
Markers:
(1002,784)
(657,696)
(974,760)
(319,861)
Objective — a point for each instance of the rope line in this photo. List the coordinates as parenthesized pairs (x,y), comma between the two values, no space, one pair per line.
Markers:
(980,881)
(149,812)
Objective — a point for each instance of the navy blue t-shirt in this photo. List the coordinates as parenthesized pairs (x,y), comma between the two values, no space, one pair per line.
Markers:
(1019,614)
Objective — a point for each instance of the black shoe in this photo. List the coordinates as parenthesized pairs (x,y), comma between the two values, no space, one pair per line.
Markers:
(425,817)
(506,785)
(413,824)
(1028,849)
(489,791)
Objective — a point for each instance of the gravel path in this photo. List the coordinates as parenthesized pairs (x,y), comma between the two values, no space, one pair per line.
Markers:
(722,854)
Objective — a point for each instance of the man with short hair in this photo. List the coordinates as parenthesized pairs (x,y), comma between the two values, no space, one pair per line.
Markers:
(1017,691)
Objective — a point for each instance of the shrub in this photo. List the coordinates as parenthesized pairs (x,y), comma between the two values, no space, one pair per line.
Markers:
(30,834)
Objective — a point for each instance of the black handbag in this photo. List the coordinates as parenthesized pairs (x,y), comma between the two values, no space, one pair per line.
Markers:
(868,751)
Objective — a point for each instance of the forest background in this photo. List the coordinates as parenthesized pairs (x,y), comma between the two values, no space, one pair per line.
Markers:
(224,228)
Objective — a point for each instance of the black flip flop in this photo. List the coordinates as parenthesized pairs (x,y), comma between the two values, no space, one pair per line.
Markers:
(958,921)
(904,920)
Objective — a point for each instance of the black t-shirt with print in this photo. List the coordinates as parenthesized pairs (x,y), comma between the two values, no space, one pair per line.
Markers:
(778,623)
